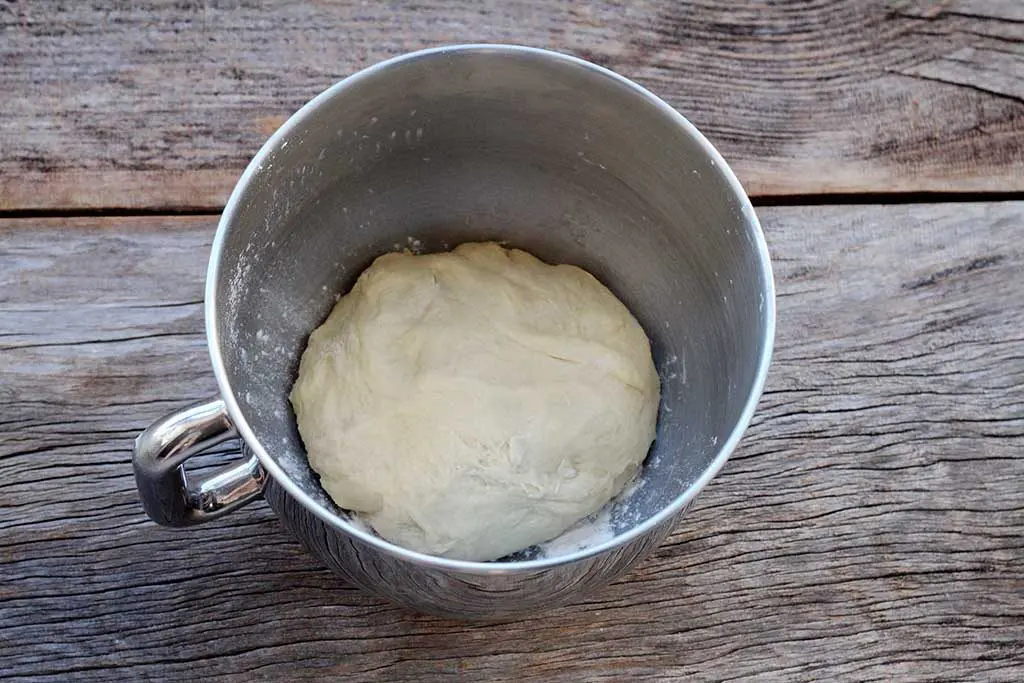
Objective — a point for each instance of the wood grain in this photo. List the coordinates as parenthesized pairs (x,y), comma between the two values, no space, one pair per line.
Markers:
(160,105)
(869,527)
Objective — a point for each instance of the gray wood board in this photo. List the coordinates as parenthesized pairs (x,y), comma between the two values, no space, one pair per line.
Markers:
(161,105)
(868,527)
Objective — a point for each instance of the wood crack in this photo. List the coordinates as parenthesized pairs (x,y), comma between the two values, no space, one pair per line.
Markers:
(91,342)
(977,87)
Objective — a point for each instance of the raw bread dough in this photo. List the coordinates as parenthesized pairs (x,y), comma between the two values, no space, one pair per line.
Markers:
(472,403)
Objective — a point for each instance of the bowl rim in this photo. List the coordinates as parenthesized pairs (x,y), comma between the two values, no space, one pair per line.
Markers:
(294,123)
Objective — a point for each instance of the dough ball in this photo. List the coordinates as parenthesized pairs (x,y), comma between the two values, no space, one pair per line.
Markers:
(472,403)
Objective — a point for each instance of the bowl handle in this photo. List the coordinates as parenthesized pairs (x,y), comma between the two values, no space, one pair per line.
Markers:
(169,495)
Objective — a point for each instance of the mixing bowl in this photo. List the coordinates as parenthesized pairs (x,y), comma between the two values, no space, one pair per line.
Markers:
(534,149)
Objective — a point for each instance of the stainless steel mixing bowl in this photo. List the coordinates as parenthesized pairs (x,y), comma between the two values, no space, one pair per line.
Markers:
(546,152)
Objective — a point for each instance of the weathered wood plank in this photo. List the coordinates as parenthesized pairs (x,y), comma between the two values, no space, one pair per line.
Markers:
(160,105)
(869,528)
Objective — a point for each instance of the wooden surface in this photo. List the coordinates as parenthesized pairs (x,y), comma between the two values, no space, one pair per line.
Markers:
(160,104)
(869,527)
(871,524)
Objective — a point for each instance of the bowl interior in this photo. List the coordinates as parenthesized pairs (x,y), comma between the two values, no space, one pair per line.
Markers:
(542,153)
